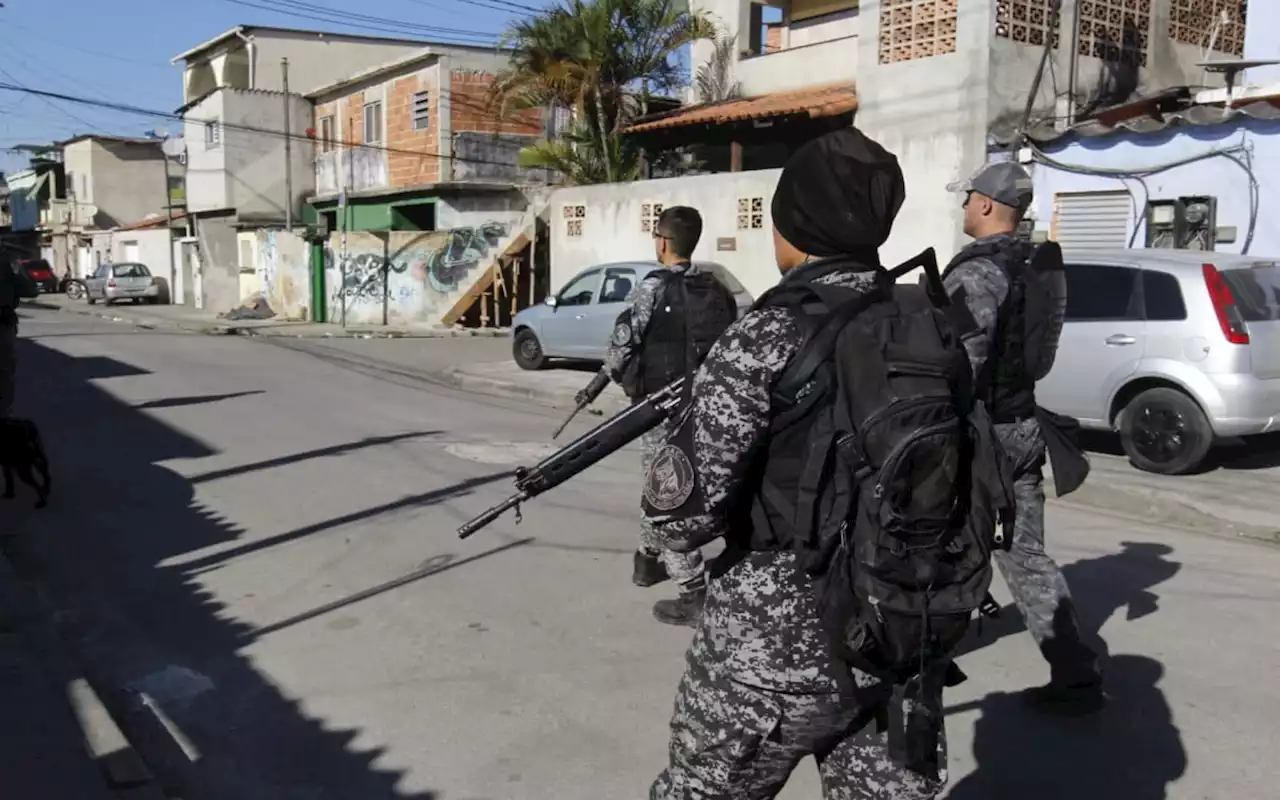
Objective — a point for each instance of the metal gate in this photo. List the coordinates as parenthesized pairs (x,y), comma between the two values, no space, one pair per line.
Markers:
(1092,220)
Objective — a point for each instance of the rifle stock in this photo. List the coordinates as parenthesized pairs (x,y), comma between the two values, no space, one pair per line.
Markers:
(596,444)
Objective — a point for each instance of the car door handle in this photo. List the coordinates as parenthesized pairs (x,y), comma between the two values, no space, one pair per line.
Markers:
(1120,339)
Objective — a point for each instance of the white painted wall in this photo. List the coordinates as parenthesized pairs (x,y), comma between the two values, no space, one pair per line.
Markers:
(1261,41)
(612,231)
(150,244)
(208,185)
(1216,177)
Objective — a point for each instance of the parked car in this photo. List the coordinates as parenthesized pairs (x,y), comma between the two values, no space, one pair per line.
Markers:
(1174,349)
(576,322)
(38,270)
(127,281)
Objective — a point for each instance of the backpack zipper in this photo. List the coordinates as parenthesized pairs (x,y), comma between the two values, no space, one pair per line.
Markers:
(895,455)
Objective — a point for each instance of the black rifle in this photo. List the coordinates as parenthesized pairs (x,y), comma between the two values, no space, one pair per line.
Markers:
(606,438)
(584,398)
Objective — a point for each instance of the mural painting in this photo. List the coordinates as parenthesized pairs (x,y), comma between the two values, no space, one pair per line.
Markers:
(412,274)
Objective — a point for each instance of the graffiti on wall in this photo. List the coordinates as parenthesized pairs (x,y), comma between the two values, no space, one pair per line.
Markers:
(368,276)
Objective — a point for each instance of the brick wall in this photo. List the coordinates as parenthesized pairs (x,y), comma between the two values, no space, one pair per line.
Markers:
(773,37)
(469,109)
(410,169)
(352,118)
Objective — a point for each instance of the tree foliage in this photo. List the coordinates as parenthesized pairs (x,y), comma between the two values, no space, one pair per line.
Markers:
(603,59)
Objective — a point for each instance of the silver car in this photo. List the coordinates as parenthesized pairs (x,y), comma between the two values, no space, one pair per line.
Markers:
(1171,348)
(576,321)
(127,281)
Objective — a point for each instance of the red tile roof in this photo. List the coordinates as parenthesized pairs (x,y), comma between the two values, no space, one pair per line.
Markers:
(151,222)
(821,101)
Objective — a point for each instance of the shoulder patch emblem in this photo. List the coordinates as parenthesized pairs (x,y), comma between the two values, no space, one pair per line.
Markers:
(670,480)
(621,334)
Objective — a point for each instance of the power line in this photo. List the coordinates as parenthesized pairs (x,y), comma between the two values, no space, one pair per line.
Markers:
(496,5)
(366,22)
(47,95)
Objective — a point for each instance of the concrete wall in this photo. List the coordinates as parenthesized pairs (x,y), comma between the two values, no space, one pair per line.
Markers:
(283,267)
(246,170)
(1261,41)
(814,51)
(1099,83)
(315,60)
(219,280)
(124,180)
(1216,177)
(612,224)
(153,248)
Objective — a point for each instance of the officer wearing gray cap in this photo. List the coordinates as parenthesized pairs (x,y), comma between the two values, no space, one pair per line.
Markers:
(995,277)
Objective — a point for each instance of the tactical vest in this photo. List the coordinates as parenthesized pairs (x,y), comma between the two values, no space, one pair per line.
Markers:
(691,313)
(1005,384)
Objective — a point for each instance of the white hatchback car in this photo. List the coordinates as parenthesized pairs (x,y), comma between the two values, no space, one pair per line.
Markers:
(1171,348)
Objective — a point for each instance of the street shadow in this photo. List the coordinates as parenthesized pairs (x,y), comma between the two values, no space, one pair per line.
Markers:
(1100,587)
(307,455)
(110,552)
(175,402)
(1130,751)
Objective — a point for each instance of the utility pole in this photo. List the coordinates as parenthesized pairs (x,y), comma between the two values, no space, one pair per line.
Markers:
(288,150)
(168,208)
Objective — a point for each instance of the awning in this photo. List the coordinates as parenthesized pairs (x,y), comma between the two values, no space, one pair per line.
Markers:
(822,101)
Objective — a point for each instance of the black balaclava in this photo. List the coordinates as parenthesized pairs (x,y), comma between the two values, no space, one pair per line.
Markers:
(838,196)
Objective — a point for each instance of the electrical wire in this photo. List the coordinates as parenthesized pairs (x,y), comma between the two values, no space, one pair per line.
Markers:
(1239,154)
(367,22)
(169,115)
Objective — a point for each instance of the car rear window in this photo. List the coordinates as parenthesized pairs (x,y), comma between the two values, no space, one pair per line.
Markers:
(1162,297)
(131,271)
(1257,290)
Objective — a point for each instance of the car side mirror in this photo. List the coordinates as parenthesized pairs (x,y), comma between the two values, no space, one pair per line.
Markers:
(550,300)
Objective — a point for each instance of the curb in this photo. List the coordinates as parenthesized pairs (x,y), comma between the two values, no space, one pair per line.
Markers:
(278,329)
(555,398)
(124,771)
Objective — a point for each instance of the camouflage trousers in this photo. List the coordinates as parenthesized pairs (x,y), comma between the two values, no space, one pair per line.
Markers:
(8,367)
(731,741)
(686,569)
(1036,582)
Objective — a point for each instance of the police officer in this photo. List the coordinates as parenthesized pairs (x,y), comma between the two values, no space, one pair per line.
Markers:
(14,285)
(761,690)
(675,315)
(989,277)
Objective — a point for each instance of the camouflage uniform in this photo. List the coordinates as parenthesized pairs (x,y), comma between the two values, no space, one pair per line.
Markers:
(1035,580)
(759,690)
(626,343)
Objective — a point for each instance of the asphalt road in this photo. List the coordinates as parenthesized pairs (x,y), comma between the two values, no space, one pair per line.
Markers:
(257,537)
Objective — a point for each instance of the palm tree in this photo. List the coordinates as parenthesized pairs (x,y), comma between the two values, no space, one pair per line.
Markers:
(714,81)
(601,58)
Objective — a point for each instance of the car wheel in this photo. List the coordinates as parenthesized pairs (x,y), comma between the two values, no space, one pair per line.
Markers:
(75,290)
(527,350)
(1163,431)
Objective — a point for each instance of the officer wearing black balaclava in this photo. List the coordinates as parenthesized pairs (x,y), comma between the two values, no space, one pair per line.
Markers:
(761,690)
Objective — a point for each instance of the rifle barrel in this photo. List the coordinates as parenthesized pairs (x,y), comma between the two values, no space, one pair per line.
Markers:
(492,514)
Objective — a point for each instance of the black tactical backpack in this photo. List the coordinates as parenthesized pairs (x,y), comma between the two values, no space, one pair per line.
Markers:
(899,493)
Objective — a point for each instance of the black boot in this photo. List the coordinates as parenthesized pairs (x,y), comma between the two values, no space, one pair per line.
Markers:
(648,569)
(683,610)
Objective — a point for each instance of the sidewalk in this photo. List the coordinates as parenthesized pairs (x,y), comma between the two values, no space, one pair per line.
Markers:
(56,738)
(1229,502)
(178,317)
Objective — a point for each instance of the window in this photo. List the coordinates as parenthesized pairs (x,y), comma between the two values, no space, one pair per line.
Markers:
(581,290)
(1163,297)
(1096,293)
(750,213)
(618,282)
(212,134)
(1256,289)
(421,111)
(373,123)
(71,184)
(132,271)
(574,217)
(649,213)
(326,134)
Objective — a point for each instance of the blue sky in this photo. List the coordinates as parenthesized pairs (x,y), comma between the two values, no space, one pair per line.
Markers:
(119,51)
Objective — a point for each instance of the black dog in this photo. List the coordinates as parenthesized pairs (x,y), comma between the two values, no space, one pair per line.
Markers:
(21,451)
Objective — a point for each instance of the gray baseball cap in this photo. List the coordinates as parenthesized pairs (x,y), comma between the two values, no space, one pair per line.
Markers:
(1005,182)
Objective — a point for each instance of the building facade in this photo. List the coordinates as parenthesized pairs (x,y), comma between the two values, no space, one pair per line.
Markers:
(234,122)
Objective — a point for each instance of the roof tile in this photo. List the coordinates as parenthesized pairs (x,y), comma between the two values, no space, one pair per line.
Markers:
(819,101)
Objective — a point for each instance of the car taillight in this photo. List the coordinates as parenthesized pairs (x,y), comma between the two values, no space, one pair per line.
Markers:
(1224,305)
(111,284)
(41,274)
